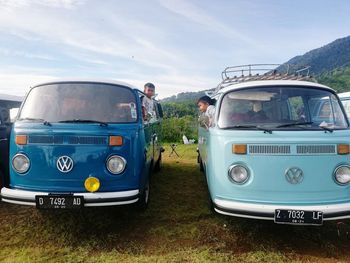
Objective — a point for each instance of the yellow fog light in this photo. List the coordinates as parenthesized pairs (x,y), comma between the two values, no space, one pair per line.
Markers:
(92,184)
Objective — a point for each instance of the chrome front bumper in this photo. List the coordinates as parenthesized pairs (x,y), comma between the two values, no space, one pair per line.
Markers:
(23,197)
(267,211)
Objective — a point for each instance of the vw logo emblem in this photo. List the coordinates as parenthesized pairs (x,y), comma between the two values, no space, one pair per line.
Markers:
(294,175)
(65,164)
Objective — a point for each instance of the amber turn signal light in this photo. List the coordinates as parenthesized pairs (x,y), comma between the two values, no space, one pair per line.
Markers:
(115,140)
(239,148)
(21,139)
(343,149)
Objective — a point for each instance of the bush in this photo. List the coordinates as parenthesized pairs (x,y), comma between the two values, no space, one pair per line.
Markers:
(174,128)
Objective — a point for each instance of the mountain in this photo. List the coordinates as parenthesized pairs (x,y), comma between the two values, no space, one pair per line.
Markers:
(324,59)
(329,64)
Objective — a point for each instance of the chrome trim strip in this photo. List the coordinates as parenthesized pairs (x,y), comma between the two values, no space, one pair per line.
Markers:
(264,211)
(23,197)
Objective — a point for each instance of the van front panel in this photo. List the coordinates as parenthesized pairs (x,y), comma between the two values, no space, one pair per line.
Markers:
(88,147)
(311,155)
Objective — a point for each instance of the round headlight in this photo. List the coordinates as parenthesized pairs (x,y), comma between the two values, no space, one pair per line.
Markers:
(92,184)
(238,174)
(116,164)
(20,163)
(342,174)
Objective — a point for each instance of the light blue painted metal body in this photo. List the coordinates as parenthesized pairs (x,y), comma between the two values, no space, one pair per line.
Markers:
(267,183)
(267,187)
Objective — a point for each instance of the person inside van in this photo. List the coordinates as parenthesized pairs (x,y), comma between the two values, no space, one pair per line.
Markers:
(148,110)
(257,113)
(206,106)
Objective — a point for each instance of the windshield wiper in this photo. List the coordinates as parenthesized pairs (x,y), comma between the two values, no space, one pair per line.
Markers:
(35,119)
(294,124)
(326,129)
(84,121)
(249,126)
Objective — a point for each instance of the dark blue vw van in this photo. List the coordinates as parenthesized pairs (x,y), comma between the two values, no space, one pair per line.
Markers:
(9,106)
(82,143)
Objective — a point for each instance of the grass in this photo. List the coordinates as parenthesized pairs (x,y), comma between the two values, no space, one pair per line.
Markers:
(178,226)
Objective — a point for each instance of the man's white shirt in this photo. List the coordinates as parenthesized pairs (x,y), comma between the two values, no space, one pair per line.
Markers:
(148,104)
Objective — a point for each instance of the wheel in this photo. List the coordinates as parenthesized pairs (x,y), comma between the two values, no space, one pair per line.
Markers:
(159,164)
(210,204)
(201,167)
(143,201)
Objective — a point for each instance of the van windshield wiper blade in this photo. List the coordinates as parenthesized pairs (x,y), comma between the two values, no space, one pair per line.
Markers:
(249,127)
(294,124)
(35,119)
(326,129)
(84,121)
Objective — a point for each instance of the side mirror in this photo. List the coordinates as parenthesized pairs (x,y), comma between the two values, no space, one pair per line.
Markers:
(13,114)
(160,110)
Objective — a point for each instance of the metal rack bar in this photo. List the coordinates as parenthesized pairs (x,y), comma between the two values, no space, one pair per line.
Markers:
(236,74)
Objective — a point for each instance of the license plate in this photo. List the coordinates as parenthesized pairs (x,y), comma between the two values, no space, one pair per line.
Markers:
(298,217)
(59,201)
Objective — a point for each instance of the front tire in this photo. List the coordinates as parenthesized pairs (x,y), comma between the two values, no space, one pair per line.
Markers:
(159,164)
(143,201)
(201,166)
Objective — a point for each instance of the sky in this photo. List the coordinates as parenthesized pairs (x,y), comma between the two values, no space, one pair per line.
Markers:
(178,45)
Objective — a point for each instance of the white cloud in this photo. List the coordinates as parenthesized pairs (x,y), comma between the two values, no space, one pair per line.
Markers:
(18,53)
(172,84)
(19,84)
(128,42)
(68,4)
(179,45)
(196,14)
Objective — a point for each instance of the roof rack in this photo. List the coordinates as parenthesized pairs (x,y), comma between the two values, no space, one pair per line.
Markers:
(251,72)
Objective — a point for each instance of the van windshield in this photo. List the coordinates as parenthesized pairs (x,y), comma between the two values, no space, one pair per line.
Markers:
(80,101)
(281,108)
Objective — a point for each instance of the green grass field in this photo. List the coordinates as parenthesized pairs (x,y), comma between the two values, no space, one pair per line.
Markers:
(177,227)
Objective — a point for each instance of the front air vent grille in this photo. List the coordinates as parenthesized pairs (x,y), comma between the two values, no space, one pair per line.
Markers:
(58,139)
(44,139)
(269,149)
(86,140)
(316,149)
(298,149)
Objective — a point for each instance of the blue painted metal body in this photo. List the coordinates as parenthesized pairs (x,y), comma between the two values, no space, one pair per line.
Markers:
(87,144)
(89,159)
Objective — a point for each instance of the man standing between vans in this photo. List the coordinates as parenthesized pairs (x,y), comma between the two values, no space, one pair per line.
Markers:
(148,110)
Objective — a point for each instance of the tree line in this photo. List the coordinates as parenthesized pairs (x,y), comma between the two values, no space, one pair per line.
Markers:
(180,118)
(181,113)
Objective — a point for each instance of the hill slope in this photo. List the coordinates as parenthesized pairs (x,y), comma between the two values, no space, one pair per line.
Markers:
(327,58)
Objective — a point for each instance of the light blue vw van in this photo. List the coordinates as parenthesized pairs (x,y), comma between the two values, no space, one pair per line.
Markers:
(83,143)
(267,155)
